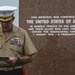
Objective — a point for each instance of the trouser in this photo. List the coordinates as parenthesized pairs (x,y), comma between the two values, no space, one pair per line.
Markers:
(13,72)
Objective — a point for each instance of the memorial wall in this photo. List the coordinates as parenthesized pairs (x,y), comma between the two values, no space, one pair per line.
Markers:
(51,26)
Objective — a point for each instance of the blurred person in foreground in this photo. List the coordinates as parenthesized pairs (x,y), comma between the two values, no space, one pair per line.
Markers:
(16,47)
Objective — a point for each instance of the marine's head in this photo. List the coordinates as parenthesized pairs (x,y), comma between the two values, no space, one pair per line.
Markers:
(7,17)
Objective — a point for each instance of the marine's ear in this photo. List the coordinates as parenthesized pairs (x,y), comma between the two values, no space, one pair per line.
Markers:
(12,19)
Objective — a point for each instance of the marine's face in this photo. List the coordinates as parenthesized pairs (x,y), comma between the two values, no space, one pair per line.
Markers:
(7,26)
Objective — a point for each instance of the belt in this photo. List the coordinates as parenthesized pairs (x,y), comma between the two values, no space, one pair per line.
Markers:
(9,68)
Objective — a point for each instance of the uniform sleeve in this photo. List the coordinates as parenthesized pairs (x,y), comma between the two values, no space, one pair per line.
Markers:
(29,47)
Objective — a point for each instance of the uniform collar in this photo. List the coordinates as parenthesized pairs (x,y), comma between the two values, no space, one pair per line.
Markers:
(14,28)
(0,28)
(15,31)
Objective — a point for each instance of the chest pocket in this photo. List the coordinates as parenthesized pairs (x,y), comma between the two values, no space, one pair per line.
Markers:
(16,44)
(16,49)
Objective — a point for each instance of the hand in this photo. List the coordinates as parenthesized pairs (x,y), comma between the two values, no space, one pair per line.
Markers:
(12,60)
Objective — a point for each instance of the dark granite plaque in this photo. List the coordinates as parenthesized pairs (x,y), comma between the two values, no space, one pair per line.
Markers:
(56,54)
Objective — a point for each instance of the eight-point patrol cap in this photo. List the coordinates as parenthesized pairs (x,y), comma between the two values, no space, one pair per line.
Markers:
(6,12)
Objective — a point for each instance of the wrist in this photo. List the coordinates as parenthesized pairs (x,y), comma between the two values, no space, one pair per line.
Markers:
(19,61)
